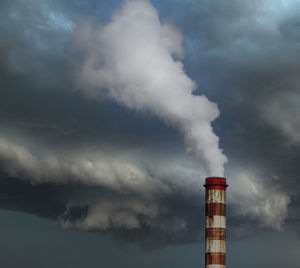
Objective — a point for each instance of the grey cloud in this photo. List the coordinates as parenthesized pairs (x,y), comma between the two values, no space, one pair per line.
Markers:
(244,56)
(124,196)
(38,34)
(282,113)
(6,66)
(247,61)
(262,202)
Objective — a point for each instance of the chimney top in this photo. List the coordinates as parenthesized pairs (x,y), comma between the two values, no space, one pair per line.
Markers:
(215,183)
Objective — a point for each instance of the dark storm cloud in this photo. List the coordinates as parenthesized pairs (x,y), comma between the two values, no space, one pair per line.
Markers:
(54,202)
(37,90)
(34,59)
(171,219)
(244,56)
(38,36)
(6,66)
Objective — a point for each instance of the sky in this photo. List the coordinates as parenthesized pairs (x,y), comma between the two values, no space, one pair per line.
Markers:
(112,113)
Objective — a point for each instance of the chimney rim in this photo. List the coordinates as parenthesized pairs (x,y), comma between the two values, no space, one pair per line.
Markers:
(215,181)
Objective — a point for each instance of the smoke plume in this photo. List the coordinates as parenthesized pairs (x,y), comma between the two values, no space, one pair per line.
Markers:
(135,60)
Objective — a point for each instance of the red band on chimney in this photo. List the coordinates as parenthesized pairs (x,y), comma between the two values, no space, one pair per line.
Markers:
(215,209)
(215,183)
(215,258)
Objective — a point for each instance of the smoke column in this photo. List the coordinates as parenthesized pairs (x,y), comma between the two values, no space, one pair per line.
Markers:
(135,60)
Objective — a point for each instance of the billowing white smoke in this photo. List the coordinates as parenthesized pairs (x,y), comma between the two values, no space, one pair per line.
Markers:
(134,60)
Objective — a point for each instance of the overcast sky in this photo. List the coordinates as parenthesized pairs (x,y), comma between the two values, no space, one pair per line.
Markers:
(112,113)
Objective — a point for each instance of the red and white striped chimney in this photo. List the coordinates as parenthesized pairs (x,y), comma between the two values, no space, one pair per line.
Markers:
(215,229)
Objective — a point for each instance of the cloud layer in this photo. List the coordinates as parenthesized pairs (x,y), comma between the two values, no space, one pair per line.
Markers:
(126,195)
(243,56)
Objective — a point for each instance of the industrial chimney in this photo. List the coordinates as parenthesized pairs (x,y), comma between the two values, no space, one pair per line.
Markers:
(215,228)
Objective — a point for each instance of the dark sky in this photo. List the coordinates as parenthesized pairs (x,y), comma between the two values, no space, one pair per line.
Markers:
(106,110)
